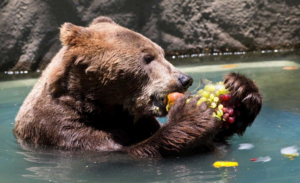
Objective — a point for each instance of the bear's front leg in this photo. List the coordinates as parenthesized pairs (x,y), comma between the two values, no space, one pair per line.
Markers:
(248,104)
(189,126)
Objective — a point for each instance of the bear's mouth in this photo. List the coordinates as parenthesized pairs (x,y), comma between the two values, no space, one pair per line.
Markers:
(159,103)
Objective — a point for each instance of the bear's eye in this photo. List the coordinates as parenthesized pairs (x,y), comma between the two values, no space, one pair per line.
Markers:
(148,58)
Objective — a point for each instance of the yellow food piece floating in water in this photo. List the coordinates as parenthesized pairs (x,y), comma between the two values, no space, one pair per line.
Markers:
(291,156)
(219,164)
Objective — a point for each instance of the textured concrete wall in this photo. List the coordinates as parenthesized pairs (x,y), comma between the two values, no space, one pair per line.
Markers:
(29,28)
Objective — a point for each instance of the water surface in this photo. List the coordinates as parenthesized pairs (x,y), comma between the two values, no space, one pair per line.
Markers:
(277,126)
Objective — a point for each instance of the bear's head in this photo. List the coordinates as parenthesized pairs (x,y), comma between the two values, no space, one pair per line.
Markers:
(112,65)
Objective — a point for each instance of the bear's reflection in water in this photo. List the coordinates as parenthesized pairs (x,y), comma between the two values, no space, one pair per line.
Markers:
(56,165)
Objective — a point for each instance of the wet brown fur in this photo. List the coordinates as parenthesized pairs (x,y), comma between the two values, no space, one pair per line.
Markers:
(98,94)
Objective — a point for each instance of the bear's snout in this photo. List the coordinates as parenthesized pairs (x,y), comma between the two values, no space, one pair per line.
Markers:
(185,80)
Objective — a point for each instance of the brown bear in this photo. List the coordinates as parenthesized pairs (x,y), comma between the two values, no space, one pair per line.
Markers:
(105,88)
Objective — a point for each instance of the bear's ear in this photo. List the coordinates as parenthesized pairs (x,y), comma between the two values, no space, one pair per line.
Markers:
(102,19)
(71,34)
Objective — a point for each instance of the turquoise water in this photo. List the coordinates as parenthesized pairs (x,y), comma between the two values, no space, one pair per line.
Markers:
(277,126)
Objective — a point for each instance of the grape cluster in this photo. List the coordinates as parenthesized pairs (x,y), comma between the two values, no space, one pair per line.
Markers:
(218,98)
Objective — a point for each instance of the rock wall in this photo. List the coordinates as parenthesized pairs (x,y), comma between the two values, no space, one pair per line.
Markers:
(29,28)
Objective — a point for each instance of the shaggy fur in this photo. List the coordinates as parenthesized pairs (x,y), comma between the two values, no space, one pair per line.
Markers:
(105,87)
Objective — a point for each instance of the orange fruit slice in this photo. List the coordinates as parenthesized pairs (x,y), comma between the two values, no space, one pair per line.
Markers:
(230,66)
(290,68)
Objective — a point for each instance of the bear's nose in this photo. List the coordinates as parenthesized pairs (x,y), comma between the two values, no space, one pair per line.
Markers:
(185,80)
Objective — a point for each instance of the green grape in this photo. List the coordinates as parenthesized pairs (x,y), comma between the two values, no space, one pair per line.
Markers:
(205,94)
(216,99)
(206,88)
(199,102)
(220,113)
(220,106)
(187,101)
(202,99)
(222,90)
(213,105)
(211,95)
(200,91)
(211,88)
(215,115)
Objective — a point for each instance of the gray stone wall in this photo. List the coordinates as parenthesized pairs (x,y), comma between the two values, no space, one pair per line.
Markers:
(29,28)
